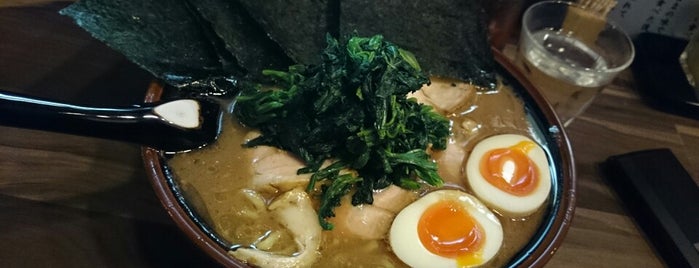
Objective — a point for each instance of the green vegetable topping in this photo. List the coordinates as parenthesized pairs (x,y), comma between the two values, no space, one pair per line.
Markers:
(351,109)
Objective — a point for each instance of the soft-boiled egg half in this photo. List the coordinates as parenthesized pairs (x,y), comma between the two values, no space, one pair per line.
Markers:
(446,228)
(510,173)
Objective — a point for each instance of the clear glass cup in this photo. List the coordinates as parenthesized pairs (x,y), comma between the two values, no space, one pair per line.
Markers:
(570,54)
(689,59)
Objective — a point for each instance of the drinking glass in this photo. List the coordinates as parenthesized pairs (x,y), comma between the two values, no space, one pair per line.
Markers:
(570,54)
(689,59)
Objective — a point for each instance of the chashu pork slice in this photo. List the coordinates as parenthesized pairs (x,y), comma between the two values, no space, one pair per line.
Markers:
(275,170)
(371,221)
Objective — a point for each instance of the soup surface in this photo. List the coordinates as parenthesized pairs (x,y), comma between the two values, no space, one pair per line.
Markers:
(229,186)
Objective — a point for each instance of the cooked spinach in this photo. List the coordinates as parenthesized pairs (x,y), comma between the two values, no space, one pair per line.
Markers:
(351,109)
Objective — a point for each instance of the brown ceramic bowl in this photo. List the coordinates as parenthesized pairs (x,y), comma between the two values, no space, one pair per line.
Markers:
(549,236)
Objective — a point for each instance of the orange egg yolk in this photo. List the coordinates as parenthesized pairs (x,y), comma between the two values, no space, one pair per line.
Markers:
(448,230)
(510,169)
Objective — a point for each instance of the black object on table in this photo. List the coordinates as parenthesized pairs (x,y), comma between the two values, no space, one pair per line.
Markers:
(660,79)
(663,199)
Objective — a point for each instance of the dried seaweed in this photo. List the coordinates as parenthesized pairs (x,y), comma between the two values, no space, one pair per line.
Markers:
(298,26)
(162,36)
(186,40)
(449,38)
(242,36)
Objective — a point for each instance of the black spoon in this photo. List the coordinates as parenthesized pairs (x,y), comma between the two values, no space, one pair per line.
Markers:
(171,126)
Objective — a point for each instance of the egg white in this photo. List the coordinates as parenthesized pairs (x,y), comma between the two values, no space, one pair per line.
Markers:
(404,238)
(497,199)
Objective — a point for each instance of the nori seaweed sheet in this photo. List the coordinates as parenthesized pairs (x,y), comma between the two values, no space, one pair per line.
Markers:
(246,41)
(162,36)
(298,26)
(448,38)
(181,41)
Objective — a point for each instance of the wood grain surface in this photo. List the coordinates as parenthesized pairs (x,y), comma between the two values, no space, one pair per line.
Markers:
(69,201)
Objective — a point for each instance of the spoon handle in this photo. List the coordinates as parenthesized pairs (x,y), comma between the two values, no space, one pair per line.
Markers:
(147,124)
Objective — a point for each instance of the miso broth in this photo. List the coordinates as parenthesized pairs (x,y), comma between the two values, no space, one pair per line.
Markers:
(217,181)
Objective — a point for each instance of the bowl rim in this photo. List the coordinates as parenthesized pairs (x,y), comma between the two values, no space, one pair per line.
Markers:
(542,253)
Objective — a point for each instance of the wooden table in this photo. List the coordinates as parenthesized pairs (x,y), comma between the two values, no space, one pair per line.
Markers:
(69,201)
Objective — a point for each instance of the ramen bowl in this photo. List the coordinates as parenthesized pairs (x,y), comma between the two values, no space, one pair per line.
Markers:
(546,129)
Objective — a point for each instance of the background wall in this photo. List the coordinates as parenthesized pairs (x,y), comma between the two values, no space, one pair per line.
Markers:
(678,18)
